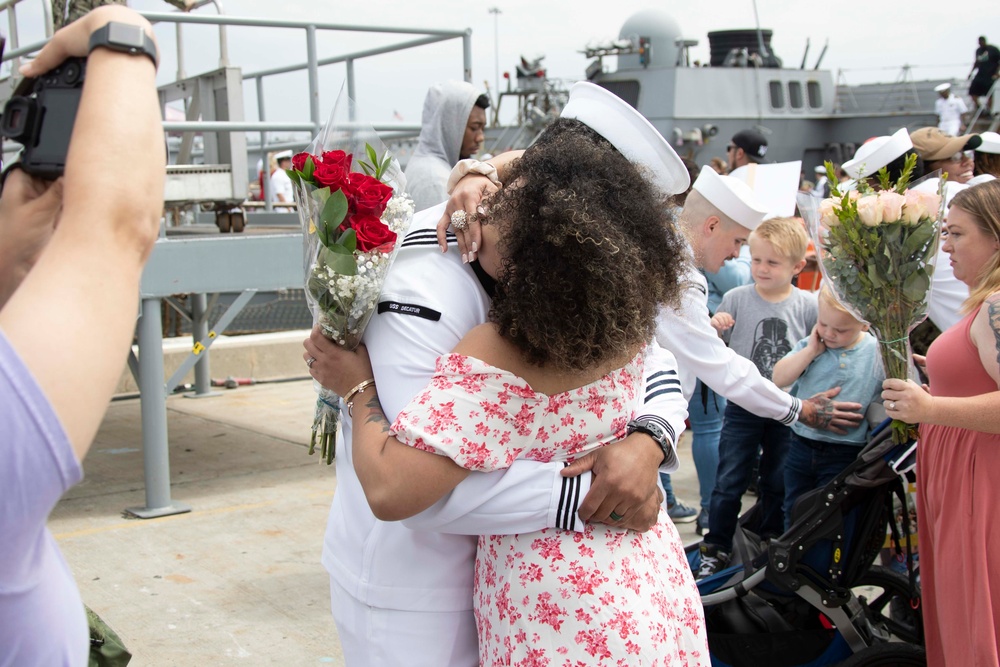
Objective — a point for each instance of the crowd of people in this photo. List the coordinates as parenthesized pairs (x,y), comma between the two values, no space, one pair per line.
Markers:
(503,492)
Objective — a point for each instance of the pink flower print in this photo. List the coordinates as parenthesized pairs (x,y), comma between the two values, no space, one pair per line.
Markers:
(628,577)
(520,636)
(586,551)
(575,443)
(619,426)
(608,598)
(623,622)
(542,435)
(567,420)
(548,613)
(632,647)
(457,364)
(520,390)
(557,403)
(583,616)
(530,572)
(441,417)
(595,402)
(582,581)
(475,456)
(493,409)
(534,658)
(543,455)
(596,642)
(481,429)
(523,420)
(548,548)
(472,384)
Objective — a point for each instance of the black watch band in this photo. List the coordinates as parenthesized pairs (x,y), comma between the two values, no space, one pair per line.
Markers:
(655,431)
(126,38)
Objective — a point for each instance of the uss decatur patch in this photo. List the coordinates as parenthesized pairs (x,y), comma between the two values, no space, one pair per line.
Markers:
(409,309)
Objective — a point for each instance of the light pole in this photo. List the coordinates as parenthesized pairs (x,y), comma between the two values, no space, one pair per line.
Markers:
(496,47)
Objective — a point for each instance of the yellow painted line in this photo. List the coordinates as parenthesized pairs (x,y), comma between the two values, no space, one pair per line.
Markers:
(155,522)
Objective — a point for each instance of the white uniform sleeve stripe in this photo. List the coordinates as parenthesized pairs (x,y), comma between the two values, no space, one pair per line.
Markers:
(666,382)
(793,413)
(662,392)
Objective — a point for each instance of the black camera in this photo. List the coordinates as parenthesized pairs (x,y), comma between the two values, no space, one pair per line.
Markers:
(40,117)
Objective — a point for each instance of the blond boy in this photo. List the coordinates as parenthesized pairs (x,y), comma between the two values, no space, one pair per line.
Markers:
(761,322)
(838,352)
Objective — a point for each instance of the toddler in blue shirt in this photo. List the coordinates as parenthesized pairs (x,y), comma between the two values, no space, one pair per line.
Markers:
(838,352)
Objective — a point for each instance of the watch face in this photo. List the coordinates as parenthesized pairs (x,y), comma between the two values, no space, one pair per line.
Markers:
(125,34)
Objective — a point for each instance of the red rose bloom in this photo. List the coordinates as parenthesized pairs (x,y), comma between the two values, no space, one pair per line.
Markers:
(299,161)
(371,231)
(367,194)
(332,170)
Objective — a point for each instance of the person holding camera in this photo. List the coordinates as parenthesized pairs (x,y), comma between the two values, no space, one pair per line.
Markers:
(72,252)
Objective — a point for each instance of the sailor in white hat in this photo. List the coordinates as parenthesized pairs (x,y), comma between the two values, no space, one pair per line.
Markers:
(950,110)
(718,216)
(402,594)
(281,184)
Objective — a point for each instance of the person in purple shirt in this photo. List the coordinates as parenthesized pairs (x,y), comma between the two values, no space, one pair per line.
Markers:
(71,255)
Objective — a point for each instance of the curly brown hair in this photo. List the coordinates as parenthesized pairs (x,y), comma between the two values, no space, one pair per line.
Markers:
(589,251)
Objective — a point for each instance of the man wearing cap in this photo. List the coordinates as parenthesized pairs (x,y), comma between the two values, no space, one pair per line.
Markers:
(746,147)
(950,110)
(281,184)
(953,155)
(402,594)
(452,125)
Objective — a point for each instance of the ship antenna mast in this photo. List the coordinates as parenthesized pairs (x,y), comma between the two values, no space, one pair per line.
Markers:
(760,36)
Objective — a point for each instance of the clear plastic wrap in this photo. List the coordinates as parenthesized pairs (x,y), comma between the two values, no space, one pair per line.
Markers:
(876,249)
(349,191)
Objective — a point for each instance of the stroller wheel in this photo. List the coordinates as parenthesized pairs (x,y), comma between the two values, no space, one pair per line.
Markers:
(893,654)
(891,604)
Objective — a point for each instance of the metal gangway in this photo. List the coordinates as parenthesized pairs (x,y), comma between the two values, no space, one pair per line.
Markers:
(201,265)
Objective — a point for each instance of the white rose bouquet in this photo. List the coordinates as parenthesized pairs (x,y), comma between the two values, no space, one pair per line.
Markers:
(876,249)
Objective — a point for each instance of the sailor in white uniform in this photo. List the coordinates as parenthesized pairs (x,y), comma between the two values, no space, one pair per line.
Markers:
(402,592)
(950,110)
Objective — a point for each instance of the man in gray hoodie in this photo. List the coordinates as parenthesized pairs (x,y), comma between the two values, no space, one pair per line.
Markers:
(451,130)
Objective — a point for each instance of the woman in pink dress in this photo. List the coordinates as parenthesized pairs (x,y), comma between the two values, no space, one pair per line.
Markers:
(959,454)
(584,255)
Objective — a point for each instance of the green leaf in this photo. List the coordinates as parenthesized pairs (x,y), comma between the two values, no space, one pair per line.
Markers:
(308,168)
(294,176)
(916,285)
(366,168)
(348,239)
(372,155)
(339,259)
(334,212)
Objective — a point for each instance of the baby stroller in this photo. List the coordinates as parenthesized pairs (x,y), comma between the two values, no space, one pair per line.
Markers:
(813,596)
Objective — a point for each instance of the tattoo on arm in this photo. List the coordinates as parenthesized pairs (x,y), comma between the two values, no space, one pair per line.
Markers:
(994,313)
(377,416)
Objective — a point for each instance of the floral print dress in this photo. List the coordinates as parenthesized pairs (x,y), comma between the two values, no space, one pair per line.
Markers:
(604,596)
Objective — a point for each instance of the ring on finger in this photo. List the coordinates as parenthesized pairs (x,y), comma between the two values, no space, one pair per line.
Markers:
(310,361)
(615,516)
(891,405)
(459,221)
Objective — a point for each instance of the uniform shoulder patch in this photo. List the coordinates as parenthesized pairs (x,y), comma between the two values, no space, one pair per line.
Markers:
(414,309)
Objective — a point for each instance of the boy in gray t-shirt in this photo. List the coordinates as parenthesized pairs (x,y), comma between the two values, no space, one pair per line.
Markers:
(761,322)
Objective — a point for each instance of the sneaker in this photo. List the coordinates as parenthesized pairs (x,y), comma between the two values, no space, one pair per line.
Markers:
(713,559)
(702,526)
(681,513)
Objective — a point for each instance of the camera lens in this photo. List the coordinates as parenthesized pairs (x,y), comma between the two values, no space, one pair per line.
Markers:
(71,73)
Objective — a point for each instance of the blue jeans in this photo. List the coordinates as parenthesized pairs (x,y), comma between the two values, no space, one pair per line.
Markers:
(705,414)
(742,434)
(811,464)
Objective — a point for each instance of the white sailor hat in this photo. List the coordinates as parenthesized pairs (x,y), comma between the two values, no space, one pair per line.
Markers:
(820,169)
(877,153)
(990,144)
(283,155)
(940,88)
(732,197)
(629,132)
(774,185)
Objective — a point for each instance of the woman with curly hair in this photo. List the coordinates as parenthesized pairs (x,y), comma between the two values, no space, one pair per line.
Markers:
(584,253)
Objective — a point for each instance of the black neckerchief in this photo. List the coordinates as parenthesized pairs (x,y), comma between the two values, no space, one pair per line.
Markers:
(487,281)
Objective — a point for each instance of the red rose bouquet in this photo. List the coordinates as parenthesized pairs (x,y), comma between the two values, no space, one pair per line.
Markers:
(351,221)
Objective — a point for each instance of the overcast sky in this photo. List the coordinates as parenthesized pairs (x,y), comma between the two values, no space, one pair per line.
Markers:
(868,40)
